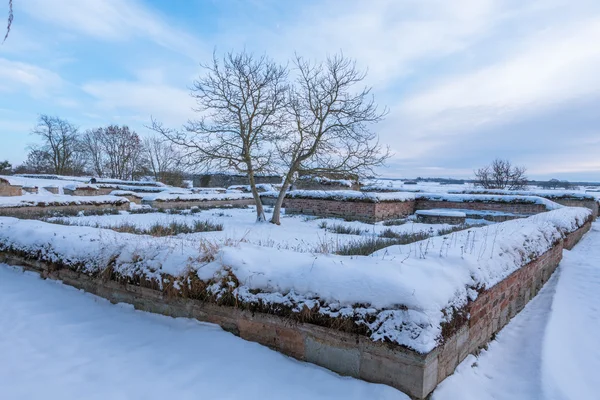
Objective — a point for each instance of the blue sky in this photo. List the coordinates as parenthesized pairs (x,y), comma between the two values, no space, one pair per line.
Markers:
(465,80)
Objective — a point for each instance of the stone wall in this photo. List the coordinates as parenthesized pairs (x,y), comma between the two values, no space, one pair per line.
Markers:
(200,203)
(348,354)
(70,209)
(88,191)
(355,210)
(6,189)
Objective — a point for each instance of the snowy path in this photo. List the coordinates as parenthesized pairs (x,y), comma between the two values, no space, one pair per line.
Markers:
(551,350)
(59,343)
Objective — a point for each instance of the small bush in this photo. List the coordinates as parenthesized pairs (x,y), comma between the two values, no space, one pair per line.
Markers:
(388,237)
(395,222)
(341,229)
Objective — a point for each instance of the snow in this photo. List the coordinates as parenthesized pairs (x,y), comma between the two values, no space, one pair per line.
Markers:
(297,232)
(549,351)
(261,187)
(199,197)
(326,181)
(32,200)
(571,351)
(428,278)
(42,182)
(62,343)
(442,213)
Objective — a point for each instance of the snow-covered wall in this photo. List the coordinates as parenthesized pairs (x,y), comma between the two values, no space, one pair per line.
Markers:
(442,297)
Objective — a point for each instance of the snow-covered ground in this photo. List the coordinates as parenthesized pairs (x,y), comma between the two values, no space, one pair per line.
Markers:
(59,343)
(550,351)
(297,232)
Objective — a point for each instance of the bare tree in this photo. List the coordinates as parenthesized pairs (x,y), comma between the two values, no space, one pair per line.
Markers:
(161,157)
(60,140)
(329,124)
(10,19)
(38,162)
(122,150)
(501,174)
(240,99)
(92,145)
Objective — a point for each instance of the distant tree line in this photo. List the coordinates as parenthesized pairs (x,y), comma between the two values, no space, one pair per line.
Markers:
(112,151)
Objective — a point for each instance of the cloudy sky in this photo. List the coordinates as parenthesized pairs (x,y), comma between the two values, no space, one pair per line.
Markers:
(465,80)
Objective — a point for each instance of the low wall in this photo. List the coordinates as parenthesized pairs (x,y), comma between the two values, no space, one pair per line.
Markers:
(10,190)
(348,354)
(572,202)
(508,207)
(200,203)
(69,209)
(355,210)
(88,191)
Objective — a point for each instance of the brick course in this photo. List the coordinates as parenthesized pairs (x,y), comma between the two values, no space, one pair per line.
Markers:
(355,210)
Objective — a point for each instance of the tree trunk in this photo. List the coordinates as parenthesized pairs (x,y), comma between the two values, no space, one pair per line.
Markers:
(260,212)
(275,218)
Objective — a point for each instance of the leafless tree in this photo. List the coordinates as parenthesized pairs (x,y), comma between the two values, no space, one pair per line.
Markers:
(501,174)
(10,19)
(161,157)
(92,145)
(38,162)
(60,141)
(329,124)
(240,101)
(122,150)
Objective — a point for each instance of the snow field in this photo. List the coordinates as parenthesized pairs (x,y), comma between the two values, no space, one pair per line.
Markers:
(297,232)
(62,343)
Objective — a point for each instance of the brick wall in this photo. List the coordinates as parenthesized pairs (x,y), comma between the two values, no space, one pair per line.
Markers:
(356,210)
(516,208)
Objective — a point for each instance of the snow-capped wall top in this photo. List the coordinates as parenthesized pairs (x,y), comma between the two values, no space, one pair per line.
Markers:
(442,213)
(488,198)
(198,197)
(350,195)
(42,200)
(548,194)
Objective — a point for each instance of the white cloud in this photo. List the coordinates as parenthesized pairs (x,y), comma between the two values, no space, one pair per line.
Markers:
(113,20)
(39,82)
(165,103)
(553,67)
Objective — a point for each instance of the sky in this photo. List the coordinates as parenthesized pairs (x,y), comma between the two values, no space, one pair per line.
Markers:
(465,81)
